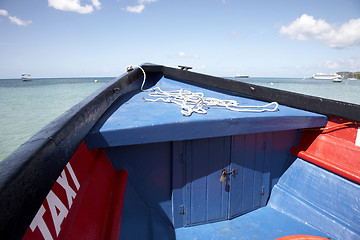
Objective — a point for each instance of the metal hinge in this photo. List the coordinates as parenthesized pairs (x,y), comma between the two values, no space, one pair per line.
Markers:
(181,210)
(262,190)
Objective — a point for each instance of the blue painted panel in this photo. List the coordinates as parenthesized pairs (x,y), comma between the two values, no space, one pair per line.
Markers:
(248,172)
(307,200)
(281,159)
(197,176)
(138,221)
(248,158)
(217,197)
(260,159)
(134,213)
(320,199)
(265,224)
(267,170)
(179,184)
(136,121)
(205,193)
(149,169)
(201,193)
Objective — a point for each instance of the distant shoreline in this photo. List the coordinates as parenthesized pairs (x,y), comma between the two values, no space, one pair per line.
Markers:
(349,74)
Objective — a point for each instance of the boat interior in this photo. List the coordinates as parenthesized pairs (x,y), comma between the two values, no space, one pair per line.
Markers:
(127,164)
(220,175)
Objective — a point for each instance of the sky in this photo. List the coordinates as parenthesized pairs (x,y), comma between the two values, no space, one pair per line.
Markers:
(263,38)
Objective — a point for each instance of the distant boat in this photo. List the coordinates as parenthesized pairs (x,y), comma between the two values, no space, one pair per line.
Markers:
(325,76)
(337,79)
(26,77)
(241,76)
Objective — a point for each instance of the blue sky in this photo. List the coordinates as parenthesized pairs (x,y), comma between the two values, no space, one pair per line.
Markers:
(278,38)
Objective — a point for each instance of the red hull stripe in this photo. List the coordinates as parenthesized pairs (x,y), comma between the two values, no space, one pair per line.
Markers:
(85,202)
(340,170)
(334,149)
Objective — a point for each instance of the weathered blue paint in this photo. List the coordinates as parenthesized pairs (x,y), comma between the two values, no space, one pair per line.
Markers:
(138,122)
(307,200)
(147,210)
(265,224)
(176,184)
(174,163)
(320,199)
(258,161)
(205,196)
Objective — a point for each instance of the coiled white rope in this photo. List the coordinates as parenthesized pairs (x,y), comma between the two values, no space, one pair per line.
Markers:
(196,102)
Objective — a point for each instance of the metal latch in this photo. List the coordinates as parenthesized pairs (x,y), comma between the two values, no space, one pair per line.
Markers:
(225,174)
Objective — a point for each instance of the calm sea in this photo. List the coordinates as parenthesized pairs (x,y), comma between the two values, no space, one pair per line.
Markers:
(26,107)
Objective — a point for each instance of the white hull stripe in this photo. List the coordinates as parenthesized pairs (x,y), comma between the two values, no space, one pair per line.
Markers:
(357,141)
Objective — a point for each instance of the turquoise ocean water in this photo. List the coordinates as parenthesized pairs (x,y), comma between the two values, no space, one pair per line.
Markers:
(26,107)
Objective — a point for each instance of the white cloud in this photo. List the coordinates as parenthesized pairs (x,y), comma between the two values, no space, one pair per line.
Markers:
(14,19)
(3,12)
(146,1)
(74,6)
(343,64)
(18,21)
(135,9)
(139,7)
(181,54)
(306,28)
(331,65)
(184,55)
(96,4)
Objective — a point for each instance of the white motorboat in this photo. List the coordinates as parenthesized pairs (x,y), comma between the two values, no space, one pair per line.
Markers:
(26,77)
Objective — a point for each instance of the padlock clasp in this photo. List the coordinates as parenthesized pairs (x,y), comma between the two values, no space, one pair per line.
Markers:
(223,175)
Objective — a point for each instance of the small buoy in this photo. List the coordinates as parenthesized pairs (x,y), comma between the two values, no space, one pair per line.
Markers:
(95,80)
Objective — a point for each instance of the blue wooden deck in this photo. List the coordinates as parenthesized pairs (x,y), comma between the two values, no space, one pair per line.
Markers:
(138,121)
(175,162)
(307,200)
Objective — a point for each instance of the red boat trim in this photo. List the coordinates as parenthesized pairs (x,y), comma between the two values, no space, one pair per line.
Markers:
(324,164)
(335,148)
(85,202)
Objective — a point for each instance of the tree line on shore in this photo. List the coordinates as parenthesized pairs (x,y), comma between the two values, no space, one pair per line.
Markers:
(349,74)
